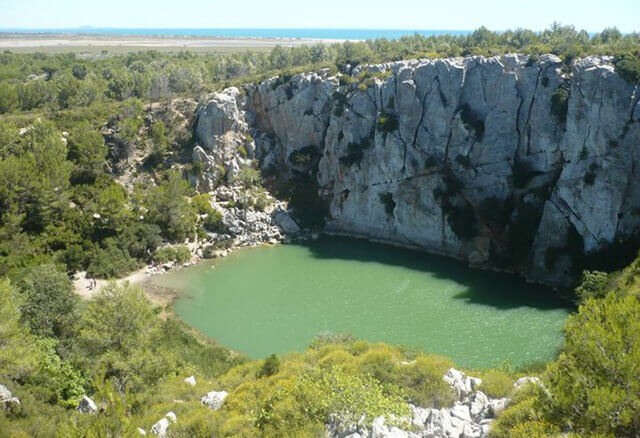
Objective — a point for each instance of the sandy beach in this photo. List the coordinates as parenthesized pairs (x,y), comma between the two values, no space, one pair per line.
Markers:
(79,43)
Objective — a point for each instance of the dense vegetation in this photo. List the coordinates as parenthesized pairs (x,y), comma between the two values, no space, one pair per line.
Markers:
(93,177)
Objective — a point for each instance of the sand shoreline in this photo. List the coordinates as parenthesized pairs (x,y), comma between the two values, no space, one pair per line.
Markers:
(38,41)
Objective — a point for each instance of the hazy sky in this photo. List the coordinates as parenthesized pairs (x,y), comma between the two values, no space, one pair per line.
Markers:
(593,15)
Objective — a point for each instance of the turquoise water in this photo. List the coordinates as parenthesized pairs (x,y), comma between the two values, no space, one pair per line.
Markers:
(337,34)
(277,299)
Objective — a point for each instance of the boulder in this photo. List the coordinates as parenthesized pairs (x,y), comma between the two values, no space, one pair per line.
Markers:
(7,400)
(87,406)
(286,222)
(524,381)
(161,426)
(191,380)
(214,399)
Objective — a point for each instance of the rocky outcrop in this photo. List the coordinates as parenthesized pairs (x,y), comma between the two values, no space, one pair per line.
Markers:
(507,162)
(87,406)
(214,399)
(7,400)
(161,427)
(470,417)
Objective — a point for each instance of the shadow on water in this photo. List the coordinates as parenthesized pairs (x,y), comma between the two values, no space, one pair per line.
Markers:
(500,290)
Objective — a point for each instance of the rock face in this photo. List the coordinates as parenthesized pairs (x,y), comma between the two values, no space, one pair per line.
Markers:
(507,162)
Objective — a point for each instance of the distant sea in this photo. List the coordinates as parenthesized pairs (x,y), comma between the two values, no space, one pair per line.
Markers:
(329,34)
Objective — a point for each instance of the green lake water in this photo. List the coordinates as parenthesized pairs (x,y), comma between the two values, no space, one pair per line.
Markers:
(277,299)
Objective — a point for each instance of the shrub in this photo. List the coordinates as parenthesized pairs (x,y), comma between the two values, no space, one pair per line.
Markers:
(169,208)
(593,284)
(522,172)
(472,121)
(355,152)
(387,201)
(110,262)
(79,71)
(49,307)
(214,222)
(304,157)
(387,123)
(179,254)
(202,203)
(627,65)
(249,177)
(463,160)
(462,220)
(496,383)
(269,367)
(560,103)
(590,176)
(593,386)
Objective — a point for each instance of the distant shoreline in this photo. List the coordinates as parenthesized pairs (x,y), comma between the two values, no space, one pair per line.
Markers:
(93,43)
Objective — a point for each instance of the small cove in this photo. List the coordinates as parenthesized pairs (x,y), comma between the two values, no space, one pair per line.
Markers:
(277,299)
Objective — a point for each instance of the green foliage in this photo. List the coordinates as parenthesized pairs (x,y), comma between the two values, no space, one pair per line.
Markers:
(387,123)
(168,207)
(87,149)
(249,177)
(49,306)
(270,366)
(497,383)
(593,284)
(355,152)
(388,203)
(34,178)
(159,139)
(472,121)
(179,254)
(627,65)
(560,103)
(111,262)
(593,386)
(8,97)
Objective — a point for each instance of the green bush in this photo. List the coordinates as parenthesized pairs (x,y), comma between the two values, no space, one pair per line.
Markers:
(560,103)
(627,65)
(496,383)
(387,123)
(169,208)
(386,199)
(270,366)
(179,254)
(593,284)
(49,307)
(111,262)
(355,152)
(249,177)
(472,121)
(593,386)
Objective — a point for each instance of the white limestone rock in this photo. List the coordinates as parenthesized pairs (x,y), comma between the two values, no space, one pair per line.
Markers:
(7,400)
(214,399)
(87,405)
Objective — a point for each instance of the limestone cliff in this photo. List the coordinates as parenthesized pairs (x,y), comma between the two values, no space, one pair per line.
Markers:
(507,162)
